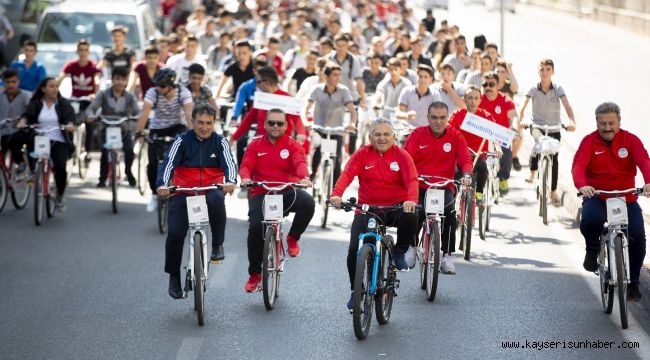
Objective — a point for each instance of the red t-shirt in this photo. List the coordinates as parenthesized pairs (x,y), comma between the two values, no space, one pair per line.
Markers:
(258,116)
(499,108)
(83,78)
(473,142)
(276,63)
(146,82)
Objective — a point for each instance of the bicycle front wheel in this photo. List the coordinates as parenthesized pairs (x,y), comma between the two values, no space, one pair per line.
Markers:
(270,273)
(433,261)
(82,164)
(543,199)
(199,278)
(606,290)
(3,189)
(467,224)
(39,195)
(50,205)
(142,169)
(362,310)
(621,279)
(114,179)
(20,188)
(326,189)
(421,255)
(385,288)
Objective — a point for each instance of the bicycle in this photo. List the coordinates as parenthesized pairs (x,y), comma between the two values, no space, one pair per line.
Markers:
(465,206)
(44,184)
(546,147)
(274,254)
(81,156)
(375,278)
(490,194)
(428,248)
(113,127)
(613,257)
(11,181)
(162,210)
(325,182)
(197,267)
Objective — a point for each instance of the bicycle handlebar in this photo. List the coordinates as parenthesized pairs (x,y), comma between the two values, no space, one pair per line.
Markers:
(116,120)
(443,181)
(352,204)
(266,185)
(545,127)
(80,98)
(636,191)
(173,189)
(338,130)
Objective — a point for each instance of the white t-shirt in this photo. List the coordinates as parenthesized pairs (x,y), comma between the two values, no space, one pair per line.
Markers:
(181,65)
(48,119)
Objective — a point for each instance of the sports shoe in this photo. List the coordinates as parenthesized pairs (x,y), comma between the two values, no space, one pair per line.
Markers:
(217,254)
(175,290)
(131,179)
(503,185)
(101,184)
(633,293)
(400,262)
(294,247)
(409,257)
(555,199)
(153,203)
(447,264)
(479,198)
(59,203)
(531,177)
(591,260)
(351,302)
(515,164)
(253,282)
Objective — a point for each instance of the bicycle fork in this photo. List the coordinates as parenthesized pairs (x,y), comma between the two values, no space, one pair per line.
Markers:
(190,280)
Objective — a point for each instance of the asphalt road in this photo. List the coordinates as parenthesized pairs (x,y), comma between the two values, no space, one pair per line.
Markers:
(90,285)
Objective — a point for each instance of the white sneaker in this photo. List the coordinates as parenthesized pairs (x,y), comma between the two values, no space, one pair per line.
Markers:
(409,257)
(153,204)
(447,264)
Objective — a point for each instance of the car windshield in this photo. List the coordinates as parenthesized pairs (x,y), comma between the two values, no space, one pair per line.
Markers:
(96,28)
(54,60)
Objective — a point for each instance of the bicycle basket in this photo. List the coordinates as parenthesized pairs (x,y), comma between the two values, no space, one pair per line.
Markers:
(546,145)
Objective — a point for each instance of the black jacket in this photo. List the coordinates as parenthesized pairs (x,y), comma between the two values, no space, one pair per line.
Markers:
(64,112)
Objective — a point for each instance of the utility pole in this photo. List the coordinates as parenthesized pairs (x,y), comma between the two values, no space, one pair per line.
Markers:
(502,11)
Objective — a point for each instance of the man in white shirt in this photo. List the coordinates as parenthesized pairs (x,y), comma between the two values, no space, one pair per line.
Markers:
(180,63)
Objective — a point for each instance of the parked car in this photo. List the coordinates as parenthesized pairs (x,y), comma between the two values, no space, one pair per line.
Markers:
(72,20)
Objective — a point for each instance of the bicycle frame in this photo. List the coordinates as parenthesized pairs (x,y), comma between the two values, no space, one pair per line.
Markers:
(376,247)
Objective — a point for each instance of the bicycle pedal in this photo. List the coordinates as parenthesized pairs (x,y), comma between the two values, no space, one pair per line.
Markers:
(216,262)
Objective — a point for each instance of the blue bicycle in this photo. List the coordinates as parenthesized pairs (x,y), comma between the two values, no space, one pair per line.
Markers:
(375,278)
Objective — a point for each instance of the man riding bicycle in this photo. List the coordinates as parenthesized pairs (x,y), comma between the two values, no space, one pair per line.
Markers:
(436,150)
(607,160)
(387,176)
(116,101)
(172,103)
(275,157)
(198,157)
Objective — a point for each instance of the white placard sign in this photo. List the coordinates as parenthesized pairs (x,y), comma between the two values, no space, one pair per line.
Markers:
(42,146)
(290,105)
(273,207)
(616,211)
(328,146)
(113,138)
(488,130)
(197,209)
(435,201)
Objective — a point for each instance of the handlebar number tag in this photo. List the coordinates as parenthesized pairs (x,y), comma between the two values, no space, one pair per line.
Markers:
(273,207)
(328,146)
(197,210)
(42,146)
(616,211)
(113,138)
(435,201)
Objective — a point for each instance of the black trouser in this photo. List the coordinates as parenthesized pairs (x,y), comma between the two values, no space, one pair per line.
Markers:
(14,143)
(406,224)
(178,226)
(481,174)
(534,163)
(315,161)
(59,153)
(242,144)
(594,215)
(157,150)
(505,164)
(302,204)
(129,156)
(448,225)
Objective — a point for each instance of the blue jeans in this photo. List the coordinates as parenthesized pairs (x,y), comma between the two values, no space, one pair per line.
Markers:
(594,215)
(505,164)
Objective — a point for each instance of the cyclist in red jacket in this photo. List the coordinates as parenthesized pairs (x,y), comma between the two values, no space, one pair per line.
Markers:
(275,157)
(387,176)
(607,160)
(436,150)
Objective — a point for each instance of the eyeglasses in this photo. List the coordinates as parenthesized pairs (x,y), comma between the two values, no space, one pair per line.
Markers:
(272,123)
(489,84)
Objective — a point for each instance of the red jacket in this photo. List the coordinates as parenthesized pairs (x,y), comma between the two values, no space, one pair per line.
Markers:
(473,142)
(499,108)
(606,167)
(285,161)
(438,156)
(259,116)
(384,179)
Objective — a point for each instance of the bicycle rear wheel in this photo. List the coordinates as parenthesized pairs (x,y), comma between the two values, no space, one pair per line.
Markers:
(385,288)
(142,169)
(433,261)
(543,199)
(20,188)
(326,189)
(39,195)
(270,272)
(114,179)
(199,278)
(467,224)
(606,290)
(362,310)
(163,213)
(4,189)
(621,279)
(421,255)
